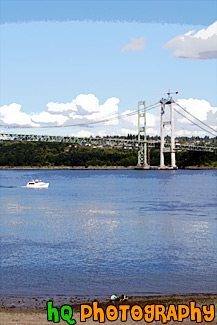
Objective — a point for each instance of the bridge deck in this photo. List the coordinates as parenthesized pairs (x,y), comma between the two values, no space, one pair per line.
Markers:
(105,141)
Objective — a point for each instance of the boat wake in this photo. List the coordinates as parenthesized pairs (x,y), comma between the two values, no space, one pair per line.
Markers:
(39,188)
(2,186)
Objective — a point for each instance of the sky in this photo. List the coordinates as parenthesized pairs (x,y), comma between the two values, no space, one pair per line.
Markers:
(64,63)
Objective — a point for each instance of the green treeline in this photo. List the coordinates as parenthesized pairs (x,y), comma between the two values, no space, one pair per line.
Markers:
(63,154)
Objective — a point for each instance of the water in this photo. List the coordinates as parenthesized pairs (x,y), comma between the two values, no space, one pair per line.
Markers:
(93,233)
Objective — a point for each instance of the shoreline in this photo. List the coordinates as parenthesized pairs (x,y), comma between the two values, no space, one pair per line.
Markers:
(98,168)
(39,303)
(34,310)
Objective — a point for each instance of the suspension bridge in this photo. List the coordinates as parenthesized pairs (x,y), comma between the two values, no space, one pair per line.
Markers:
(140,143)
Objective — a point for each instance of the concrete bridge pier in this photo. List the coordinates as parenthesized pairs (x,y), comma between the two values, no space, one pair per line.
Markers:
(142,144)
(171,149)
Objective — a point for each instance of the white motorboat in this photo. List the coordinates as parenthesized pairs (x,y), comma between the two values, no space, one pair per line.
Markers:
(37,184)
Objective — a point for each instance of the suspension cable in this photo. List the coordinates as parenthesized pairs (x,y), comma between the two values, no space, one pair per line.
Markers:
(194,123)
(196,117)
(121,116)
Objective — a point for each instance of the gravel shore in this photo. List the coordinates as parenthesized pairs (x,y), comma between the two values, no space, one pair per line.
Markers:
(29,311)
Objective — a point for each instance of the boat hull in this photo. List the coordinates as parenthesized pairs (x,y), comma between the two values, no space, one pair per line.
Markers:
(37,185)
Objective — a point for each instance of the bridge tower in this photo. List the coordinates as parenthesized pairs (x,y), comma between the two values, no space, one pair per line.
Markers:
(142,144)
(171,149)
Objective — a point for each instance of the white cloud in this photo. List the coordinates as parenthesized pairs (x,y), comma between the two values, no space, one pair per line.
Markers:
(152,132)
(63,115)
(60,107)
(75,116)
(46,117)
(106,111)
(128,131)
(102,133)
(200,109)
(135,45)
(12,115)
(186,133)
(83,109)
(133,119)
(149,131)
(86,108)
(150,119)
(184,120)
(88,102)
(195,45)
(84,134)
(197,107)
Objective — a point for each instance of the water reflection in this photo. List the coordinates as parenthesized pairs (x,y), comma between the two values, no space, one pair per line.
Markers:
(94,232)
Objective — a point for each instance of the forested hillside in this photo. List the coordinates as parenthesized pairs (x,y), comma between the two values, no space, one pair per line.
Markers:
(63,154)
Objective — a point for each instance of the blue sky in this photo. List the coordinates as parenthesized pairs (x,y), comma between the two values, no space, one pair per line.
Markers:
(194,12)
(64,62)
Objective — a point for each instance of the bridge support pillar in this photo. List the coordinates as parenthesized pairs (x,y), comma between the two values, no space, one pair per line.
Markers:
(169,102)
(162,136)
(142,143)
(173,152)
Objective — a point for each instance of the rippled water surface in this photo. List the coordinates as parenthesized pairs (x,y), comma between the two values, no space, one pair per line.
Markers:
(100,232)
